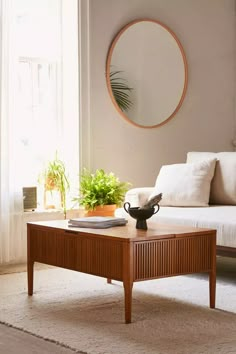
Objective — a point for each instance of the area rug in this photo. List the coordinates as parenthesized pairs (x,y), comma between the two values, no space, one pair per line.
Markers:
(83,312)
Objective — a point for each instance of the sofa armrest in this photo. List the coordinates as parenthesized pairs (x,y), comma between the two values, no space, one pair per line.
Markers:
(138,196)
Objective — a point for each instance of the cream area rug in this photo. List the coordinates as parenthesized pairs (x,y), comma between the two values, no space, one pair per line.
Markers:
(83,312)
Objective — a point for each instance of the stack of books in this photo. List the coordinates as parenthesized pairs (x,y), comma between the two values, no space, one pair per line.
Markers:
(97,222)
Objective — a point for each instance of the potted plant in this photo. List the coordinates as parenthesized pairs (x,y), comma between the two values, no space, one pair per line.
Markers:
(55,180)
(100,193)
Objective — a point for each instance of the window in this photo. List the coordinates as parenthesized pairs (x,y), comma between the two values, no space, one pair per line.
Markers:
(45,117)
(38,105)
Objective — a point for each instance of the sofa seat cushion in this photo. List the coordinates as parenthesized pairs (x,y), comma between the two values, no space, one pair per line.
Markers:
(220,218)
(223,186)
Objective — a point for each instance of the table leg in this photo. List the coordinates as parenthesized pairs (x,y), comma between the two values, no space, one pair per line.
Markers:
(128,301)
(212,289)
(128,268)
(109,281)
(30,274)
(212,275)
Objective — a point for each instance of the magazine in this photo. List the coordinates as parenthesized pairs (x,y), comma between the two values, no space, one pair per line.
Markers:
(97,222)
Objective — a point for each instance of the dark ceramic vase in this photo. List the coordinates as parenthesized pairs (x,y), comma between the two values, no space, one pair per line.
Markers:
(141,215)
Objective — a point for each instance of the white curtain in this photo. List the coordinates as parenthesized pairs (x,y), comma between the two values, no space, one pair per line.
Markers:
(23,34)
(11,202)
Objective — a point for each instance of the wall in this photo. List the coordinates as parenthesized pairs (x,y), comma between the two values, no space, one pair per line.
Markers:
(206,120)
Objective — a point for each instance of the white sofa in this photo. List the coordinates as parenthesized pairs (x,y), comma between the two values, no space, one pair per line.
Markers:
(216,208)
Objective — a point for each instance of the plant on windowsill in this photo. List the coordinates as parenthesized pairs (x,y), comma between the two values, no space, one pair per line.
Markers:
(55,181)
(100,193)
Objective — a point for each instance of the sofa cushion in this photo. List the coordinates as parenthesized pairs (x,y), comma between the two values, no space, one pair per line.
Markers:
(223,186)
(218,217)
(186,184)
(221,218)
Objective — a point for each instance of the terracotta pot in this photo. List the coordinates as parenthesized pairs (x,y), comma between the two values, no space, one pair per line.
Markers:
(102,210)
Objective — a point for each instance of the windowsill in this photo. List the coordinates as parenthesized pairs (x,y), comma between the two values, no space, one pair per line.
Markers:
(43,211)
(51,214)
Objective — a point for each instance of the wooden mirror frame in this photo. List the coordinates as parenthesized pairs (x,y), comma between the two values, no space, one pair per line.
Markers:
(108,65)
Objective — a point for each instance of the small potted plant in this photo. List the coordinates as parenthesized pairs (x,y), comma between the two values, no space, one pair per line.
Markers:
(55,180)
(101,193)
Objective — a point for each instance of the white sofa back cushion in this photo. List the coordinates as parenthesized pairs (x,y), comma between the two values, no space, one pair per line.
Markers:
(223,186)
(186,184)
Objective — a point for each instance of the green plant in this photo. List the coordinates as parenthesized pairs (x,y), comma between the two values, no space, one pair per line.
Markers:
(121,90)
(100,188)
(55,178)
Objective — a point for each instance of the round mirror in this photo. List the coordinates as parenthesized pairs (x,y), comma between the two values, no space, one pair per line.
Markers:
(146,73)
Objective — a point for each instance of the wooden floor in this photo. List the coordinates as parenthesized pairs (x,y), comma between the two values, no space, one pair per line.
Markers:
(18,268)
(14,341)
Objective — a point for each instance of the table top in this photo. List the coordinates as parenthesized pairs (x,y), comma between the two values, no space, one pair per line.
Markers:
(129,232)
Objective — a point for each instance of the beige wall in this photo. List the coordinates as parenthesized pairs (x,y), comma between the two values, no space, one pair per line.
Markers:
(206,120)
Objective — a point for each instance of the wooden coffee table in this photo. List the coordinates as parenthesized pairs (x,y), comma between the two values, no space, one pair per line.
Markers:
(124,253)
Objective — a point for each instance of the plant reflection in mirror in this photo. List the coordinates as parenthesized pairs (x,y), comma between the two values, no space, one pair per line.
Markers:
(121,90)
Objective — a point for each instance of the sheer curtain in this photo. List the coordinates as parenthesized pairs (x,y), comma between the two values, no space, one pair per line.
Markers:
(11,204)
(34,126)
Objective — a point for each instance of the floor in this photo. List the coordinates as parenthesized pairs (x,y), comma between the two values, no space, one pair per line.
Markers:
(15,341)
(18,268)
